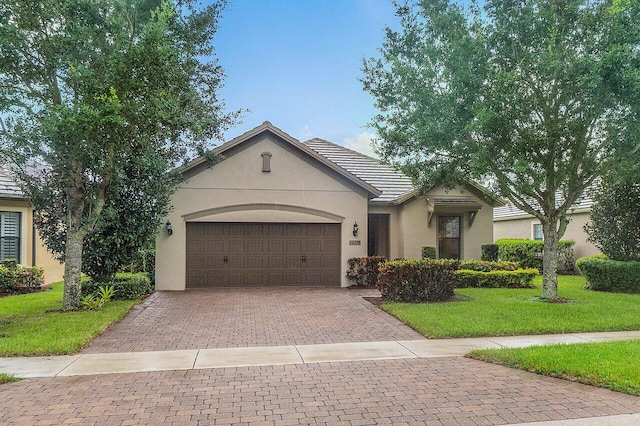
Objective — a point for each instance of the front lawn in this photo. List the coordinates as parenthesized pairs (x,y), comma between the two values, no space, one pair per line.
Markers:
(613,365)
(31,324)
(503,312)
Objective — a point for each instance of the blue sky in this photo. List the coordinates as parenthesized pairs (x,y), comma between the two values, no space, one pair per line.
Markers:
(296,63)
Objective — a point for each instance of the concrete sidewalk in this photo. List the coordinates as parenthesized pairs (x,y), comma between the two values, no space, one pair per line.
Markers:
(132,362)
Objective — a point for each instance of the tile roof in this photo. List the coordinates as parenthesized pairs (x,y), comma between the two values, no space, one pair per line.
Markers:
(8,186)
(509,211)
(385,178)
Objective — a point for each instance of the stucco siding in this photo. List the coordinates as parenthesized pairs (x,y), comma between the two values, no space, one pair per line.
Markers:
(416,231)
(53,269)
(297,189)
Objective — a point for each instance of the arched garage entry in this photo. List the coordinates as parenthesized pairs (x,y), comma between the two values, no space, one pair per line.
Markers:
(256,253)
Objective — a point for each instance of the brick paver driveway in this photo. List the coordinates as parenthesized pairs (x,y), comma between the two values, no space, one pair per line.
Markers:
(432,391)
(449,391)
(226,318)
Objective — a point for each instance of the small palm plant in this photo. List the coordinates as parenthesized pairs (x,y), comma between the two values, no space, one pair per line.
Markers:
(95,301)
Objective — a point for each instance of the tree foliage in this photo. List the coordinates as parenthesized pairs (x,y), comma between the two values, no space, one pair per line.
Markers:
(615,216)
(136,203)
(533,97)
(98,100)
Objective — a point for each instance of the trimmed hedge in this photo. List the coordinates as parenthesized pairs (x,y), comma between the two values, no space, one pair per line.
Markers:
(14,277)
(126,286)
(485,266)
(604,274)
(528,253)
(417,281)
(428,252)
(521,278)
(363,271)
(489,252)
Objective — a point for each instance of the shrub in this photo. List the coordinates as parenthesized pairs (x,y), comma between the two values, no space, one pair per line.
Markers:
(142,261)
(30,279)
(484,266)
(528,253)
(363,271)
(125,286)
(15,277)
(428,252)
(417,280)
(6,279)
(489,252)
(95,301)
(566,263)
(10,264)
(604,274)
(520,278)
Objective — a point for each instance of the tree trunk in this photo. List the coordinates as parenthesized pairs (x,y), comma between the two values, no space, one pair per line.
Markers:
(550,261)
(72,270)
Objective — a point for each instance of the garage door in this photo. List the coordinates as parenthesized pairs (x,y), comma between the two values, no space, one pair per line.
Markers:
(263,254)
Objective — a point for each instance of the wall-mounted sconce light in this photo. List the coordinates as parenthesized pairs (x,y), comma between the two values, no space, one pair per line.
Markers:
(169,228)
(355,229)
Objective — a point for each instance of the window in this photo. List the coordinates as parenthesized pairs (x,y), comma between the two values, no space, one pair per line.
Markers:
(449,237)
(537,232)
(10,235)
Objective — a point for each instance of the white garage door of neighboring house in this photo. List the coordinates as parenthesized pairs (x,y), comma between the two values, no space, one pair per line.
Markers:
(262,254)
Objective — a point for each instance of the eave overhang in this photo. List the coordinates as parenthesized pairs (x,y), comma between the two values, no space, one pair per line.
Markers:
(458,204)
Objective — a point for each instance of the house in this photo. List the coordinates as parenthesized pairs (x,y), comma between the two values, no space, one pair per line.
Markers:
(511,222)
(275,211)
(18,237)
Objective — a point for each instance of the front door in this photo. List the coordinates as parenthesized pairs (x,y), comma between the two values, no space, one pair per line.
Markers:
(378,237)
(449,230)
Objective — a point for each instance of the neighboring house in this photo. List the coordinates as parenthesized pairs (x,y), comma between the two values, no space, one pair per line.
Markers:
(18,237)
(511,222)
(279,212)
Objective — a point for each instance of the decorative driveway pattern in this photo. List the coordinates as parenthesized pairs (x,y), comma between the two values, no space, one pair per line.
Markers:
(439,391)
(431,391)
(227,318)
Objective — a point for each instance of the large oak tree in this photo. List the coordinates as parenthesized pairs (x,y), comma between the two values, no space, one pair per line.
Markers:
(86,86)
(532,97)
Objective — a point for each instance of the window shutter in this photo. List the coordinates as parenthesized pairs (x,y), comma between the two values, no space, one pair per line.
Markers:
(10,235)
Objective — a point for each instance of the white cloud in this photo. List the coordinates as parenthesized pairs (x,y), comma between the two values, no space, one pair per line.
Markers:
(362,142)
(305,133)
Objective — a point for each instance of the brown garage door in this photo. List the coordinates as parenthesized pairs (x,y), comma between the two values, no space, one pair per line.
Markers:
(263,254)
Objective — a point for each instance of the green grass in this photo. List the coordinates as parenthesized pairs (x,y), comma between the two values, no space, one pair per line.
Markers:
(503,312)
(613,365)
(8,378)
(32,324)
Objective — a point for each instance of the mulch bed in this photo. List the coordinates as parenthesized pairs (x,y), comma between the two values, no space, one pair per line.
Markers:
(376,300)
(361,287)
